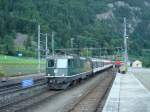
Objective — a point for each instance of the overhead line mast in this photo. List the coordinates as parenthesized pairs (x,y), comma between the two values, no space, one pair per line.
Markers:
(39,53)
(40,47)
(52,43)
(125,42)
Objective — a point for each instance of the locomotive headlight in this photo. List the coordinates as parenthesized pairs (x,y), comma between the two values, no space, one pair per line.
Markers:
(55,71)
(51,81)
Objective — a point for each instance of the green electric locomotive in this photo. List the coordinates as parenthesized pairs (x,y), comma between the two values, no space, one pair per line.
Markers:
(61,71)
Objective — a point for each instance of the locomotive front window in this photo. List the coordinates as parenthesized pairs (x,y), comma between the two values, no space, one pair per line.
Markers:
(62,63)
(70,63)
(51,63)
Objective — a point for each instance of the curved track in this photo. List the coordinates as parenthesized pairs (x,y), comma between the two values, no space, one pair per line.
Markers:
(73,98)
(16,99)
(92,102)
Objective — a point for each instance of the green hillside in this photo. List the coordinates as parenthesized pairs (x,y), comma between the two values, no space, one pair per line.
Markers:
(97,21)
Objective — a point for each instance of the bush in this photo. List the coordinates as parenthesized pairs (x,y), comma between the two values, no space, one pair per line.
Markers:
(86,52)
(27,53)
(2,74)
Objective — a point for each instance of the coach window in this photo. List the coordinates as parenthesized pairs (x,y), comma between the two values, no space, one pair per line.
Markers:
(51,63)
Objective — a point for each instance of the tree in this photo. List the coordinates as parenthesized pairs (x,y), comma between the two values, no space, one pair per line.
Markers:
(28,43)
(9,45)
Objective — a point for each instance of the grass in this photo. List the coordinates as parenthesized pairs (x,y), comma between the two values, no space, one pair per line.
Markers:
(18,60)
(12,66)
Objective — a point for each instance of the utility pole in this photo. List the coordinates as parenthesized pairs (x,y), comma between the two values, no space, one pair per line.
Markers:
(71,43)
(72,39)
(100,52)
(52,43)
(125,42)
(87,52)
(39,54)
(46,48)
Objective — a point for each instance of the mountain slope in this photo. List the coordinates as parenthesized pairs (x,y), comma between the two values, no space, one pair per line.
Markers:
(99,21)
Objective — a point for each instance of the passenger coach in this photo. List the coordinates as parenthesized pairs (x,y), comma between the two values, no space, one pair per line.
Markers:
(62,71)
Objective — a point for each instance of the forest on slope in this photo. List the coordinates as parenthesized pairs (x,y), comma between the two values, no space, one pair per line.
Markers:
(92,23)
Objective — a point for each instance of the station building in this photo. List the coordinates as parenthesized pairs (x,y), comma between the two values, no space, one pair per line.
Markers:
(137,64)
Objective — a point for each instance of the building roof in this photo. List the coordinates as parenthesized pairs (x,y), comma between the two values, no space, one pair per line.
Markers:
(137,61)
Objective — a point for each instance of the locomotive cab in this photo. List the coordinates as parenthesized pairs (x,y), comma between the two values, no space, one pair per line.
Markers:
(67,66)
(57,67)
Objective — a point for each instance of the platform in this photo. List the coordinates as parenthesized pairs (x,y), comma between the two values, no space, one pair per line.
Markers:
(127,95)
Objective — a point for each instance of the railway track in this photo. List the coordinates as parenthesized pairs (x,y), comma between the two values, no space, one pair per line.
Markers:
(19,100)
(8,89)
(22,105)
(94,100)
(86,97)
(13,94)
